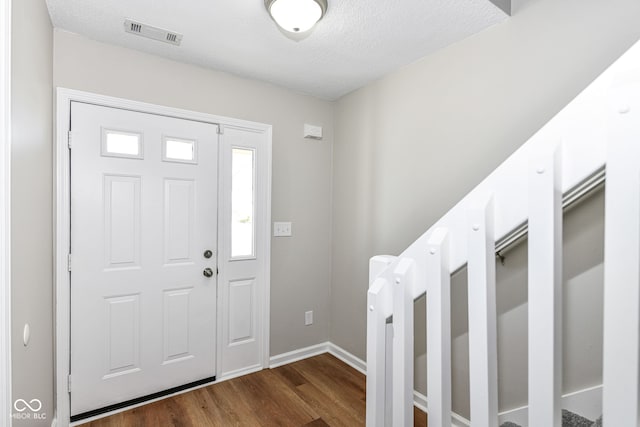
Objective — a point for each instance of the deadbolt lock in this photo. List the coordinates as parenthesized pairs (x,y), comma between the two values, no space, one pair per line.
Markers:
(208,254)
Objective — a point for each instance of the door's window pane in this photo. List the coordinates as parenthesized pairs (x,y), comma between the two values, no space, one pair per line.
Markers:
(179,150)
(242,202)
(121,144)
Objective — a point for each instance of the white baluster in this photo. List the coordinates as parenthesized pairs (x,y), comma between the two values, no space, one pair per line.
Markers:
(483,350)
(403,343)
(379,305)
(439,329)
(388,401)
(376,364)
(621,376)
(545,291)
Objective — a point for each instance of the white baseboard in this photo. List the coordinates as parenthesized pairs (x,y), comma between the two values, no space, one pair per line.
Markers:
(459,421)
(314,350)
(586,403)
(300,354)
(348,358)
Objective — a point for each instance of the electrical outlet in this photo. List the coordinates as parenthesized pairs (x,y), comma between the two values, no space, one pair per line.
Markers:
(308,318)
(281,229)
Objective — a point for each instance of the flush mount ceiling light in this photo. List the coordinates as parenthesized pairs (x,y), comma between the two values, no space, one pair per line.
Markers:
(296,16)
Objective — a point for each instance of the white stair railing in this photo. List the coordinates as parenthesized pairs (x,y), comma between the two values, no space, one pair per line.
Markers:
(621,375)
(601,127)
(439,335)
(483,341)
(545,291)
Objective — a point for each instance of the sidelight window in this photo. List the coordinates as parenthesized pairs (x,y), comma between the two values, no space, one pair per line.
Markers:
(242,203)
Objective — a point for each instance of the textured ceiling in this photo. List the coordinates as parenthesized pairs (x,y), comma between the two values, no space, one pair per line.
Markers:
(358,41)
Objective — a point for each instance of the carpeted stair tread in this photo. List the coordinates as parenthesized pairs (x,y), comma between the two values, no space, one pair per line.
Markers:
(569,419)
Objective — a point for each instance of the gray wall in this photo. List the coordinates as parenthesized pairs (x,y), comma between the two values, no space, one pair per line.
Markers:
(300,265)
(409,146)
(31,248)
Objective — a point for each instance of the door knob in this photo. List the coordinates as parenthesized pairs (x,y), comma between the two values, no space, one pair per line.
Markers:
(207,272)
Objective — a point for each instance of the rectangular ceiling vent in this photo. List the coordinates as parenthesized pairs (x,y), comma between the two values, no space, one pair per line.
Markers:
(151,32)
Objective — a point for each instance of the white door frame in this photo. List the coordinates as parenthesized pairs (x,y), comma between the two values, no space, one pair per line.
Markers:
(5,214)
(63,221)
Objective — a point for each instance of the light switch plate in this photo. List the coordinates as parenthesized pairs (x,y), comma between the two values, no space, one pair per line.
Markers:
(308,318)
(281,229)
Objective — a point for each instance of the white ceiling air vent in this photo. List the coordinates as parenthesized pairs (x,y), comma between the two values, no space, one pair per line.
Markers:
(154,33)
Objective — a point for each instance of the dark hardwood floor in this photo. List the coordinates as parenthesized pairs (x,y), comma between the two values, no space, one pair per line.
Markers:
(315,392)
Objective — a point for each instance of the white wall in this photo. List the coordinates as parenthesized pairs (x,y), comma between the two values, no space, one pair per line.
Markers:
(300,265)
(411,145)
(31,222)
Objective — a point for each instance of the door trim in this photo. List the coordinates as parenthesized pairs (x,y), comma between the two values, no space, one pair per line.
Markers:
(5,215)
(62,219)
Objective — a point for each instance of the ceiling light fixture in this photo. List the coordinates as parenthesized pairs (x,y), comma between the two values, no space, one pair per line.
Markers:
(296,16)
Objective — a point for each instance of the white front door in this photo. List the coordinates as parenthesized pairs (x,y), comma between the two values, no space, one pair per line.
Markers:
(143,263)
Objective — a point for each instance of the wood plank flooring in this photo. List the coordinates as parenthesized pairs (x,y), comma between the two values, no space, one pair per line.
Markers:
(315,392)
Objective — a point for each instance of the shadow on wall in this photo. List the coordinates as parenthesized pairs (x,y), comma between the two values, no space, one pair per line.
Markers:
(583,252)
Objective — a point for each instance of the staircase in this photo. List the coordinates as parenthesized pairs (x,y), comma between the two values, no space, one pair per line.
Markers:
(596,137)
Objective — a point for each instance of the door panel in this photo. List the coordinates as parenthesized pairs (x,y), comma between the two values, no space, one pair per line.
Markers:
(241,311)
(143,212)
(122,221)
(176,320)
(179,217)
(123,334)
